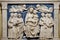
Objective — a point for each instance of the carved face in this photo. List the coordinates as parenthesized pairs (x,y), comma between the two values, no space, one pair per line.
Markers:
(35,11)
(15,14)
(31,9)
(12,14)
(49,14)
(42,14)
(18,15)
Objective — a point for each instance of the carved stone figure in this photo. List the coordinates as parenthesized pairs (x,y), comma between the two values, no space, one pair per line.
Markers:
(49,24)
(32,23)
(15,25)
(43,8)
(20,25)
(28,20)
(43,26)
(46,26)
(19,8)
(11,28)
(35,26)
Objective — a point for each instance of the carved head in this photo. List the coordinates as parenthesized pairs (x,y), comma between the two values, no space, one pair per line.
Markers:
(49,14)
(43,14)
(35,11)
(15,14)
(19,15)
(31,9)
(12,15)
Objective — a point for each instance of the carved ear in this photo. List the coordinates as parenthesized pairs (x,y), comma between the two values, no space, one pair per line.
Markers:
(50,9)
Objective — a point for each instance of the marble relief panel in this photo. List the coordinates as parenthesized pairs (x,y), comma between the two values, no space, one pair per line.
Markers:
(30,21)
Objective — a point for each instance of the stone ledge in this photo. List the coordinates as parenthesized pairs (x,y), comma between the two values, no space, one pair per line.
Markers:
(30,0)
(4,38)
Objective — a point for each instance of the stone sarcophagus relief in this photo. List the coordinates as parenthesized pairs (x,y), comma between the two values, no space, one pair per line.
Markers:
(35,20)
